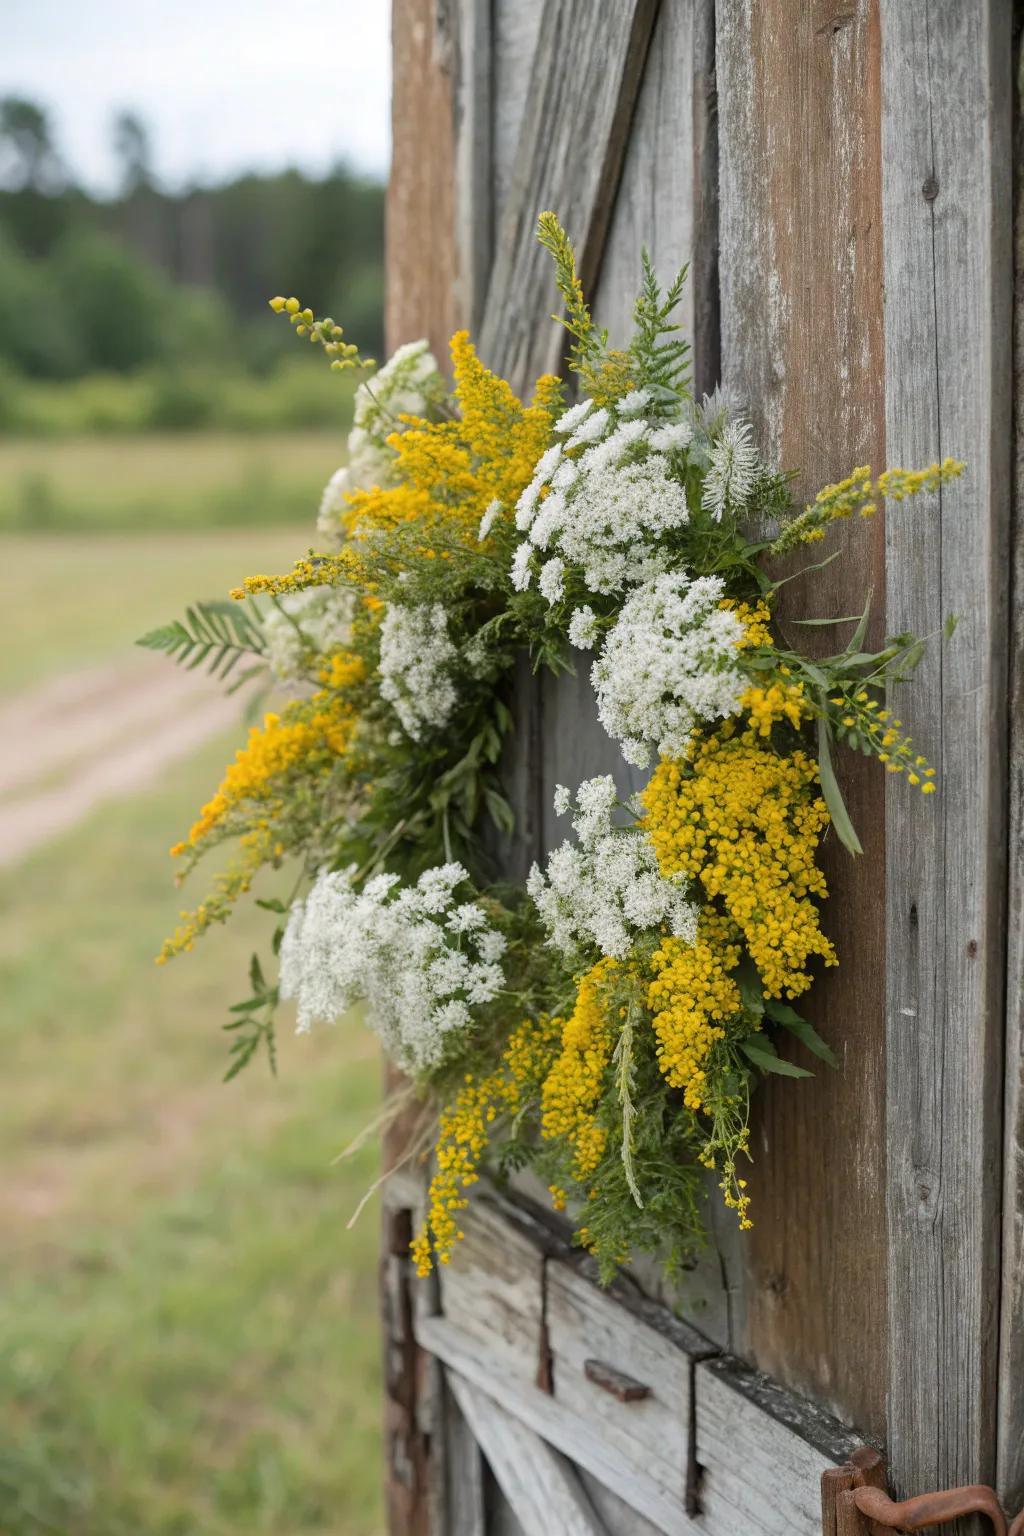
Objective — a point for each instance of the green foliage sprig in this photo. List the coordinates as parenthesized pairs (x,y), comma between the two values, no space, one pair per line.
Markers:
(215,635)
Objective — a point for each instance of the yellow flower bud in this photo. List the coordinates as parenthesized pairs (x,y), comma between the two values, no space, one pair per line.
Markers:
(292,306)
(276,304)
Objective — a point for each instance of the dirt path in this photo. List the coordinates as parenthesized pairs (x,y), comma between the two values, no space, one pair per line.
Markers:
(85,738)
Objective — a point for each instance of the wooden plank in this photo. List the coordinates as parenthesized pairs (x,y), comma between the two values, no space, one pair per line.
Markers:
(465,1511)
(586,1324)
(515,26)
(494,1289)
(618,1517)
(661,201)
(946,156)
(407,1448)
(419,216)
(472,48)
(1010,1469)
(761,1452)
(540,1485)
(564,1430)
(801,317)
(582,89)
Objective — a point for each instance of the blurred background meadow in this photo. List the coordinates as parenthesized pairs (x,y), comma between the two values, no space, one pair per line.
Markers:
(188,1339)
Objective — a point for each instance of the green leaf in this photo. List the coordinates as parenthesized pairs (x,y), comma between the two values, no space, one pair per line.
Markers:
(749,983)
(831,791)
(782,1014)
(857,638)
(764,1056)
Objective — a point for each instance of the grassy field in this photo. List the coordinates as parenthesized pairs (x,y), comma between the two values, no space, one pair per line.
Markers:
(188,1340)
(162,481)
(70,601)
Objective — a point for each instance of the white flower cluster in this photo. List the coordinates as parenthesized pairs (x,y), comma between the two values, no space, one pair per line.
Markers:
(669,660)
(416,661)
(408,385)
(420,959)
(604,510)
(303,625)
(606,889)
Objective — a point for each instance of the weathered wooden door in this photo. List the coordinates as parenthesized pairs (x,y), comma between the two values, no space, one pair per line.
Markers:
(839,174)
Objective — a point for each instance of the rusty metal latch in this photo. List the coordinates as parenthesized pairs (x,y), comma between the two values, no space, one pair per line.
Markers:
(626,1388)
(855,1502)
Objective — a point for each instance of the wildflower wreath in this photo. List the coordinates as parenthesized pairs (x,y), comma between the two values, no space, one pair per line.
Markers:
(608,1023)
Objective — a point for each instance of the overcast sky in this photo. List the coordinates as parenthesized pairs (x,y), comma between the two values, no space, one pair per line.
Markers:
(225,85)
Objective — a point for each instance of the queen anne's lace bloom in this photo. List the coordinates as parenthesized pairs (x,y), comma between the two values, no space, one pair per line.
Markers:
(416,662)
(420,960)
(304,626)
(552,580)
(605,510)
(669,661)
(606,890)
(583,628)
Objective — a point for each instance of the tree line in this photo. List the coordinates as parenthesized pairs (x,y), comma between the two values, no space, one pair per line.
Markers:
(171,279)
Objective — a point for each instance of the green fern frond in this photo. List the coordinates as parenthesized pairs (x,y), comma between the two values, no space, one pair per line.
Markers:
(215,635)
(660,353)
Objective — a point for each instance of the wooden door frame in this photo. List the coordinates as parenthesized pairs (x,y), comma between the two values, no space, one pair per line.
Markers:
(920,201)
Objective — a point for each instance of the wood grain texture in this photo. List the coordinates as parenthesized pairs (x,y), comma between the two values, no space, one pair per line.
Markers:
(407,1460)
(514,30)
(762,1453)
(1010,1469)
(494,1289)
(585,1324)
(473,152)
(946,123)
(582,89)
(422,262)
(541,1486)
(569,1434)
(800,261)
(619,1518)
(464,1480)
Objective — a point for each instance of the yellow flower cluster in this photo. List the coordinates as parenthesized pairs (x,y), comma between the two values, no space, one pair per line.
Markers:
(341,671)
(464,1132)
(313,571)
(864,716)
(575,1083)
(777,701)
(746,822)
(858,493)
(729,1139)
(453,470)
(756,620)
(255,848)
(448,473)
(311,733)
(692,994)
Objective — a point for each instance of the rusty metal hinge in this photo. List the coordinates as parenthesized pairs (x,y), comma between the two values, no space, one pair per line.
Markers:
(855,1502)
